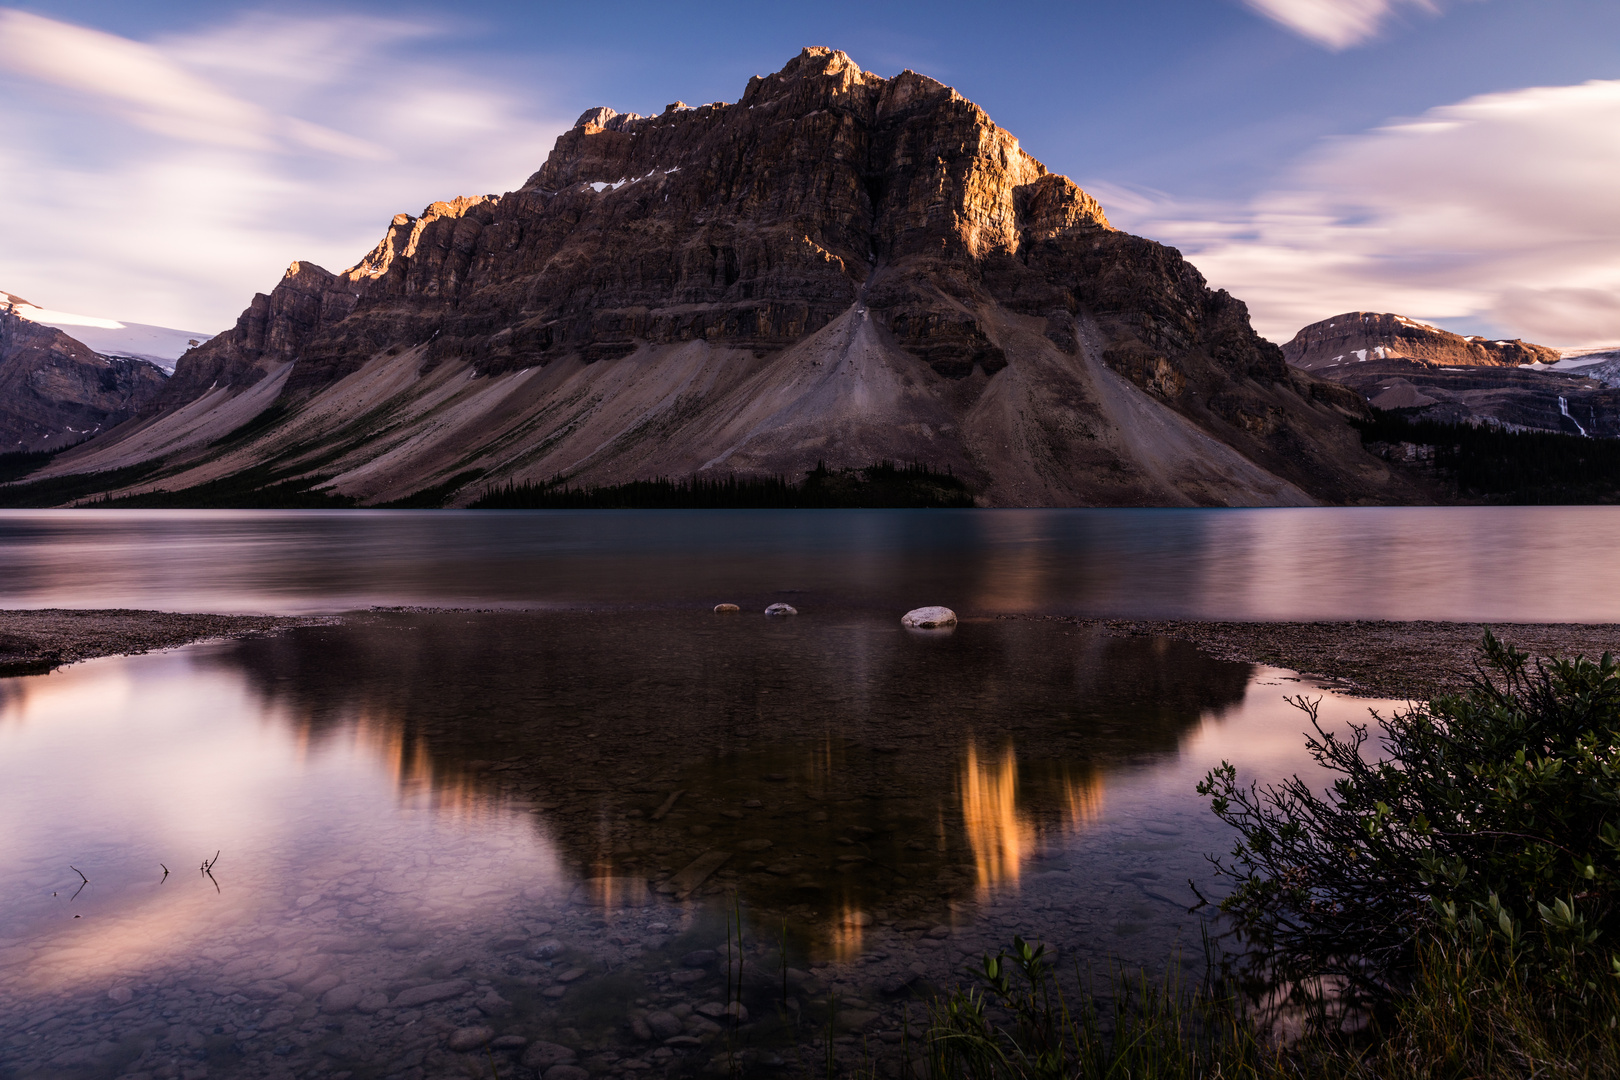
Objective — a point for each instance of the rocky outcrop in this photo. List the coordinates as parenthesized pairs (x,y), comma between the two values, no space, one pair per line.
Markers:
(56,391)
(1360,336)
(271,332)
(836,268)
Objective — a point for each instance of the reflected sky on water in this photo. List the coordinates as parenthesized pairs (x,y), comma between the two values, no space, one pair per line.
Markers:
(1467,563)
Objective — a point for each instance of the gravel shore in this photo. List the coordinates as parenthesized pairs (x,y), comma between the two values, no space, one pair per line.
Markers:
(1410,660)
(34,642)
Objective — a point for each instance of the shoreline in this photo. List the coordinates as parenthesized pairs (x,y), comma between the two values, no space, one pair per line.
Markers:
(38,641)
(1369,658)
(1383,659)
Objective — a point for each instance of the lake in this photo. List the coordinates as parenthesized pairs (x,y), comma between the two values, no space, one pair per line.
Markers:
(597,829)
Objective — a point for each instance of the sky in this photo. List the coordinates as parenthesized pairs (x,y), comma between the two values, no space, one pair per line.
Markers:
(1455,161)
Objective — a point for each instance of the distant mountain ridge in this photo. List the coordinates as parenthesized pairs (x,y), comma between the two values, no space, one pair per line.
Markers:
(56,391)
(1357,336)
(160,345)
(837,269)
(1402,364)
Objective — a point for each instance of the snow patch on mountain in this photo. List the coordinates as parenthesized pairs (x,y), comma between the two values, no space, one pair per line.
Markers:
(162,345)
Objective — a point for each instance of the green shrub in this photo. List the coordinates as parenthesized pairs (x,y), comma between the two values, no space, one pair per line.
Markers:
(1490,818)
(1016,1025)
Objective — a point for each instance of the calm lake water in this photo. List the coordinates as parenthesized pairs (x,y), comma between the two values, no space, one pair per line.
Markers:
(563,841)
(1463,563)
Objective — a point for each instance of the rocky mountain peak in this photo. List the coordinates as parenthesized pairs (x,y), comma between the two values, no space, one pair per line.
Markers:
(837,267)
(1359,336)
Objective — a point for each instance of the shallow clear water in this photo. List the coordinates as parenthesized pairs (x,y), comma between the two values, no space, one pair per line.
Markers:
(455,842)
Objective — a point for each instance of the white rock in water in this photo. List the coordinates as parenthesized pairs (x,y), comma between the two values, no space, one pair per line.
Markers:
(781,609)
(928,618)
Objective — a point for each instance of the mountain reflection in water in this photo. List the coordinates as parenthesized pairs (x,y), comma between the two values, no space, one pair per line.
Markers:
(555,825)
(842,762)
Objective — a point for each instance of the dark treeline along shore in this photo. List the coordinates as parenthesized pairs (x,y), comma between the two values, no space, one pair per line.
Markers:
(881,486)
(1466,464)
(1485,463)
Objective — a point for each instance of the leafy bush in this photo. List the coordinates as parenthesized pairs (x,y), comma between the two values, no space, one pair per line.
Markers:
(1490,819)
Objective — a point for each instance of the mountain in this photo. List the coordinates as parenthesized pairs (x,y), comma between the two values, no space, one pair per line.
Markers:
(1399,363)
(56,391)
(1358,336)
(160,345)
(836,268)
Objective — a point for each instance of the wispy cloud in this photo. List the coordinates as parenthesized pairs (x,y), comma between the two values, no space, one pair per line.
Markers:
(1337,24)
(166,181)
(1497,211)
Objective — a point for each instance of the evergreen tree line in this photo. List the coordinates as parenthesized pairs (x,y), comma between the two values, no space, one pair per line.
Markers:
(882,485)
(1495,465)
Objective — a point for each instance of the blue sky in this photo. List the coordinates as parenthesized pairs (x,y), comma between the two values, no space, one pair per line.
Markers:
(1453,160)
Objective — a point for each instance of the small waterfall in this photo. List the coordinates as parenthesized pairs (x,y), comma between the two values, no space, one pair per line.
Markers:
(1563,407)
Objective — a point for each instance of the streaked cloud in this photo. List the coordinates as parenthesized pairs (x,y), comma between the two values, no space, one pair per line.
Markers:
(149,89)
(1498,211)
(1337,24)
(168,180)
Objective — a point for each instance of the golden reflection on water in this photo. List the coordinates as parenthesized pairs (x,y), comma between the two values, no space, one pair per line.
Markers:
(848,932)
(1001,837)
(377,733)
(1085,800)
(608,893)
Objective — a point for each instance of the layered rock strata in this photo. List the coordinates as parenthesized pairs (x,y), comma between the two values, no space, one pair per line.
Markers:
(836,268)
(56,391)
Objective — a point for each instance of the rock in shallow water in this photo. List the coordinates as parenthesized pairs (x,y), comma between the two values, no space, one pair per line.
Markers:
(928,618)
(726,608)
(421,995)
(342,998)
(469,1038)
(543,1055)
(781,609)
